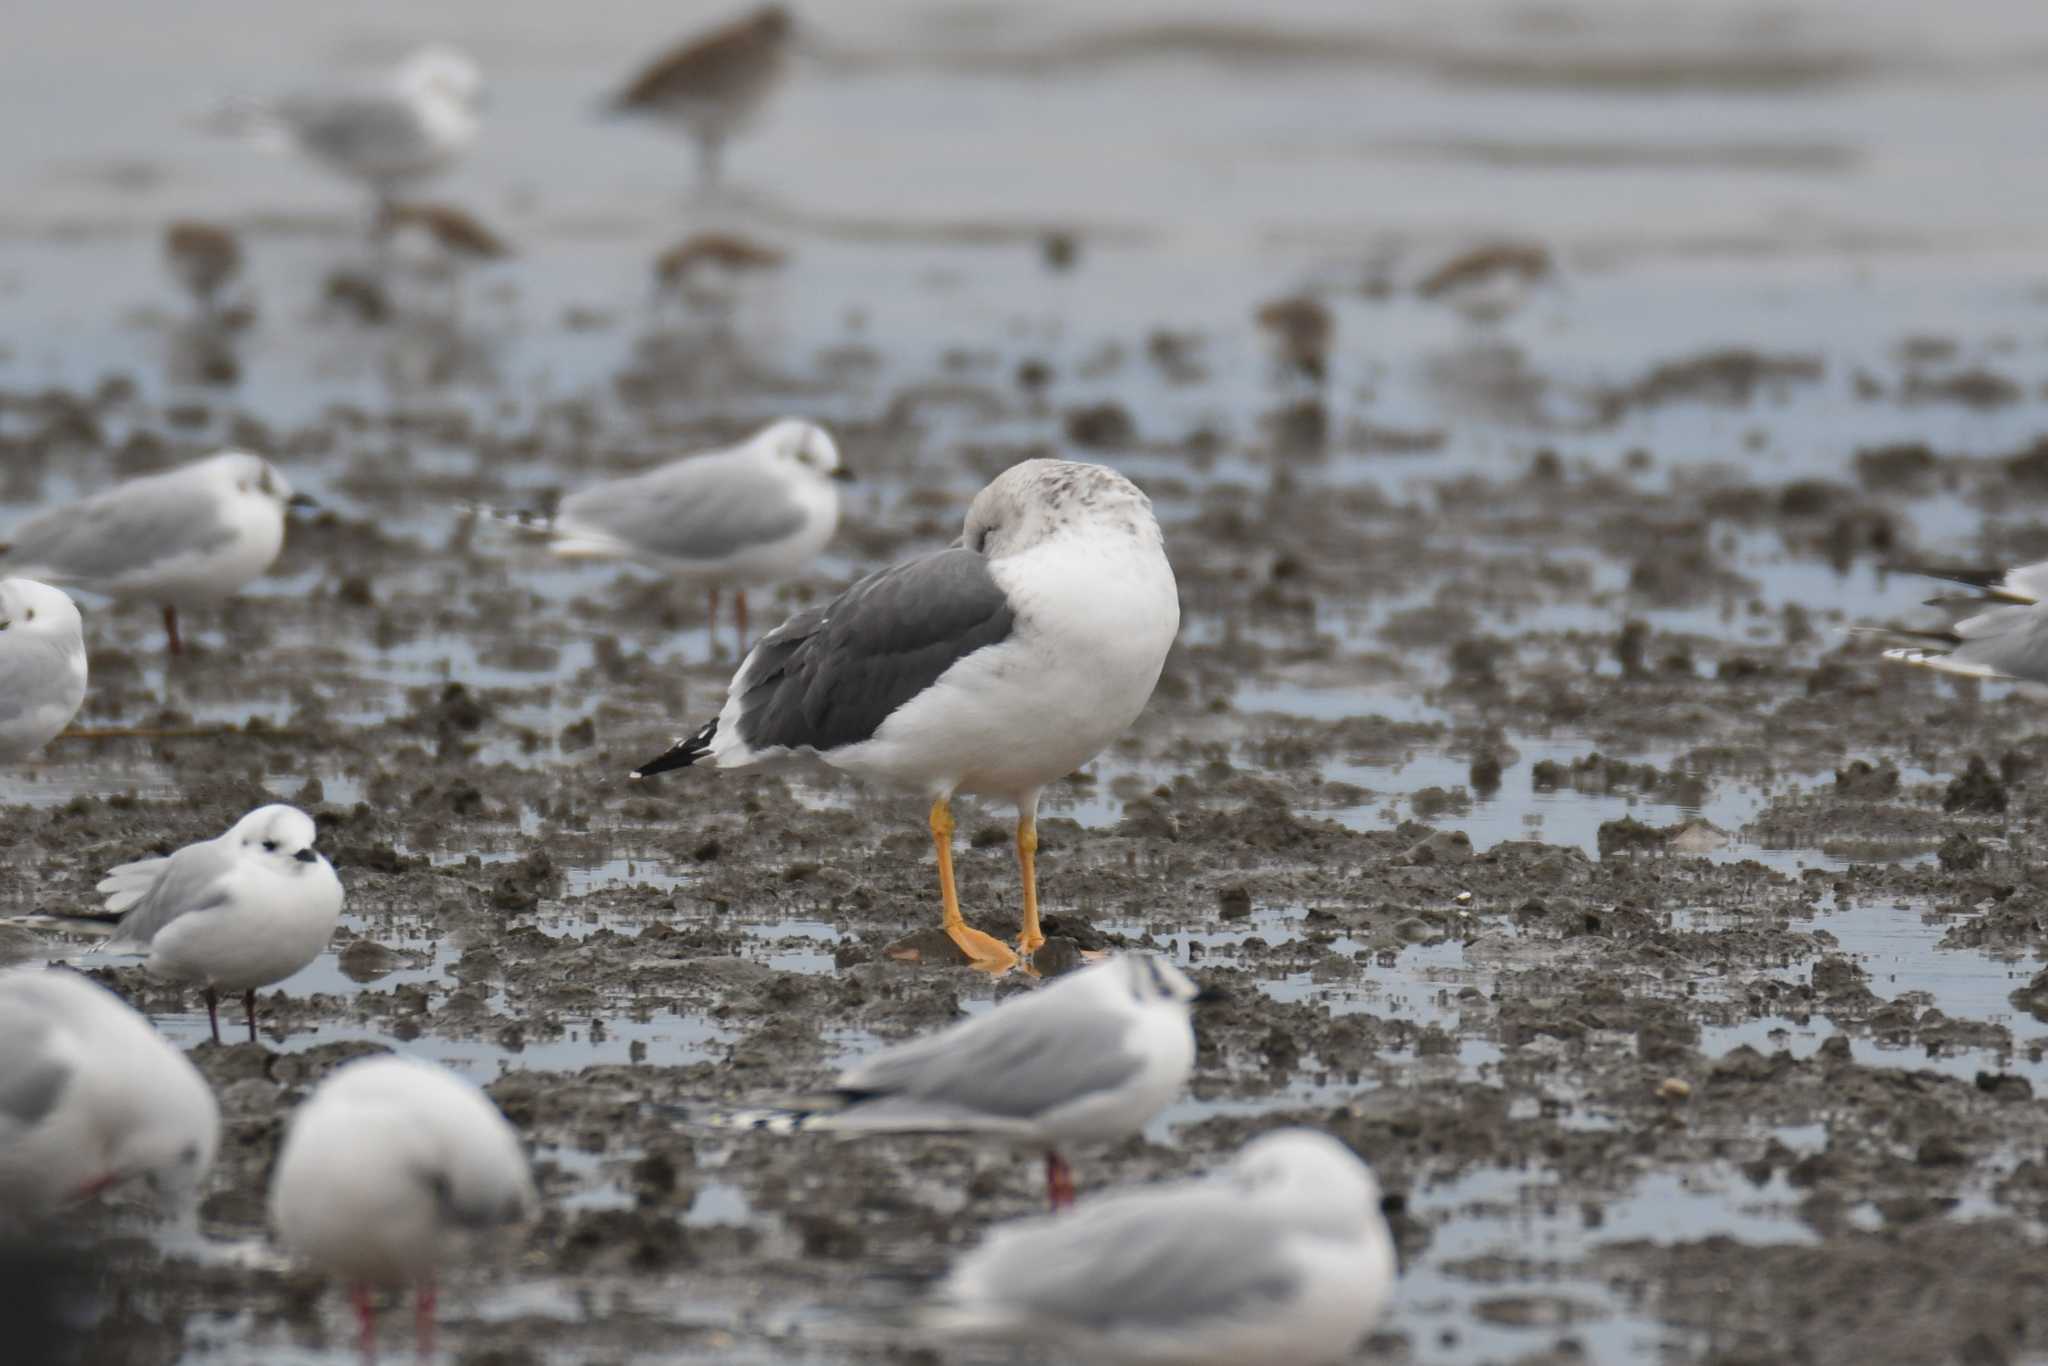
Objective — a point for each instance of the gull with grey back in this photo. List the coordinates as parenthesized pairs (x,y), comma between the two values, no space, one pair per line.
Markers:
(188,537)
(1089,1057)
(92,1098)
(241,911)
(1284,1259)
(995,666)
(760,511)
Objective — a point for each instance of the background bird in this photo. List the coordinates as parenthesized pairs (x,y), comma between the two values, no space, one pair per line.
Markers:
(205,258)
(759,511)
(1090,1057)
(712,86)
(42,665)
(1284,1259)
(241,911)
(92,1098)
(997,665)
(187,537)
(388,1169)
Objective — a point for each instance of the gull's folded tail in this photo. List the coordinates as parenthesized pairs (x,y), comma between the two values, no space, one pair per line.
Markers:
(1999,584)
(682,753)
(789,1118)
(520,519)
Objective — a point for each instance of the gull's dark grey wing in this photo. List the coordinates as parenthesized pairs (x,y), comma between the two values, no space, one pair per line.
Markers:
(354,129)
(707,508)
(831,675)
(1001,1070)
(136,527)
(32,1076)
(189,883)
(1157,1262)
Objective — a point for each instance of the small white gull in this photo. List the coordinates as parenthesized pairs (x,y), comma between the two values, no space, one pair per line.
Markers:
(1089,1057)
(1284,1258)
(994,666)
(190,536)
(230,914)
(42,665)
(389,1168)
(758,511)
(91,1098)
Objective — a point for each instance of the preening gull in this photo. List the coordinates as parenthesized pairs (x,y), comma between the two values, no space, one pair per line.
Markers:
(388,1169)
(1284,1259)
(186,537)
(91,1098)
(995,666)
(761,510)
(1089,1057)
(2007,639)
(233,913)
(712,86)
(42,665)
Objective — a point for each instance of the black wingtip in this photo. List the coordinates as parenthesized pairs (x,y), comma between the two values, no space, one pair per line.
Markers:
(681,754)
(1991,582)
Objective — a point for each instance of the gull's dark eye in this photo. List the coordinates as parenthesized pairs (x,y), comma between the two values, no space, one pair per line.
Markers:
(270,846)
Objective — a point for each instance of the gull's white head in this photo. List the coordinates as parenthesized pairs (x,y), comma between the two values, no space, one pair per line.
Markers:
(173,1150)
(802,446)
(1152,980)
(36,610)
(1309,1166)
(250,476)
(281,836)
(1035,500)
(438,72)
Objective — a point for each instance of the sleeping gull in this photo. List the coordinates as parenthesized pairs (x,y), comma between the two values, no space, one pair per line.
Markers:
(1089,1057)
(760,510)
(1284,1259)
(712,86)
(91,1097)
(997,665)
(42,665)
(395,131)
(233,913)
(189,536)
(387,1168)
(2007,640)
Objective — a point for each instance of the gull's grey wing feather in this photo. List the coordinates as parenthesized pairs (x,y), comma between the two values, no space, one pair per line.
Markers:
(31,679)
(129,529)
(355,130)
(705,508)
(130,882)
(190,883)
(2010,640)
(831,675)
(1002,1070)
(1164,1261)
(31,1076)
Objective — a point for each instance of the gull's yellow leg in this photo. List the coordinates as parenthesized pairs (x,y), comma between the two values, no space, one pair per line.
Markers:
(983,951)
(1033,938)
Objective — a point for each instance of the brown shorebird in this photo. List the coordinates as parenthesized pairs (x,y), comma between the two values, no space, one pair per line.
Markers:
(704,270)
(456,233)
(1488,282)
(712,86)
(1303,327)
(204,257)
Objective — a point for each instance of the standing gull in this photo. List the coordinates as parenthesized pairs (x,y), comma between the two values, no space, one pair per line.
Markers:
(92,1097)
(233,913)
(1283,1259)
(996,666)
(42,665)
(186,537)
(712,86)
(761,510)
(387,134)
(1090,1057)
(387,1170)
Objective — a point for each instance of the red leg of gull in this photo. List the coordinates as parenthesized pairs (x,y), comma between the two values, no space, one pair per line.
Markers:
(213,1012)
(249,1007)
(423,1308)
(711,622)
(739,607)
(1059,1181)
(366,1320)
(171,629)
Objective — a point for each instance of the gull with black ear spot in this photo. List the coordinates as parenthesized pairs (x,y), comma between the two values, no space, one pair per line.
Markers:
(92,1098)
(187,537)
(42,665)
(1090,1057)
(756,512)
(230,914)
(390,1169)
(997,665)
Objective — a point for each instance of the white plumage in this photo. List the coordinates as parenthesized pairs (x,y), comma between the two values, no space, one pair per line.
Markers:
(42,665)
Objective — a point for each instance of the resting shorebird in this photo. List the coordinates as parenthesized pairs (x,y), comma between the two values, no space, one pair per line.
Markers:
(713,86)
(996,666)
(42,665)
(190,536)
